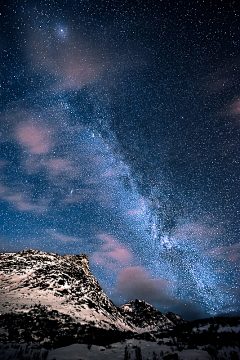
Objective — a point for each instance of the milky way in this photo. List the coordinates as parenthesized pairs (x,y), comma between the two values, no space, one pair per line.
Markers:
(119,139)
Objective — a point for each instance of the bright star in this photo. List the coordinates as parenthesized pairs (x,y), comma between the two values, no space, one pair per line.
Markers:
(62,32)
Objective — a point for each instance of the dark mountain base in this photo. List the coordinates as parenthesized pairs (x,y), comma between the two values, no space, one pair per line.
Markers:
(51,329)
(43,330)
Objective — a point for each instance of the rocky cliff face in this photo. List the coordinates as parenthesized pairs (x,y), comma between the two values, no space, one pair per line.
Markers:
(66,284)
(176,319)
(48,289)
(146,317)
(62,283)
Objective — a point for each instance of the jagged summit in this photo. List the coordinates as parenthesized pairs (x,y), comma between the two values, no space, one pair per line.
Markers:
(31,252)
(176,319)
(145,316)
(36,258)
(65,283)
(46,256)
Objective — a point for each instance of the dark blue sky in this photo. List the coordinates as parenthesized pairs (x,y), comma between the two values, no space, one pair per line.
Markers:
(120,139)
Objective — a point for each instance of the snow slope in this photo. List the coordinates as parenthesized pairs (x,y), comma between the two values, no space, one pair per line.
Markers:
(62,283)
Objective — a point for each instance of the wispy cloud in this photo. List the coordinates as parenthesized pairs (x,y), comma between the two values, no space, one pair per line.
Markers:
(111,254)
(72,59)
(234,108)
(61,165)
(35,138)
(22,202)
(63,238)
(136,283)
(229,252)
(199,233)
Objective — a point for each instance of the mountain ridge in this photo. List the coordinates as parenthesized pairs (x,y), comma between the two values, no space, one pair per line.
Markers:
(70,277)
(62,282)
(53,301)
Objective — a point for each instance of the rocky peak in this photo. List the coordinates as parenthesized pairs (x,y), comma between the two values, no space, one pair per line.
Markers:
(176,319)
(145,316)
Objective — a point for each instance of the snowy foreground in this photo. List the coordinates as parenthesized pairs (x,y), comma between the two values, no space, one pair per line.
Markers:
(129,349)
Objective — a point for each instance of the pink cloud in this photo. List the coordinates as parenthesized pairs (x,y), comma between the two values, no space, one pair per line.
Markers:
(230,252)
(57,166)
(135,282)
(74,62)
(235,107)
(62,237)
(198,233)
(22,203)
(33,137)
(54,167)
(111,253)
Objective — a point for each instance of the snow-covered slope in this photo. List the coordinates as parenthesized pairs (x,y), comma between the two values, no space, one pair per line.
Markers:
(146,317)
(176,319)
(62,283)
(130,349)
(66,284)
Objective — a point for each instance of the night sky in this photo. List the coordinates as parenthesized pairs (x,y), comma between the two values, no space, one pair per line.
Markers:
(120,139)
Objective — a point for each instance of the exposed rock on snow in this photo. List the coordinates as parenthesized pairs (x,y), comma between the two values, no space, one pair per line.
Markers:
(62,283)
(146,317)
(48,301)
(176,319)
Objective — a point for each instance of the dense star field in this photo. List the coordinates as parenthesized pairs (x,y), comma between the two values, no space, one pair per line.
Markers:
(119,139)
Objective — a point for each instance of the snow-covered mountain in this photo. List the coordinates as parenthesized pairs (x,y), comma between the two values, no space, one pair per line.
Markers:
(176,319)
(38,284)
(61,283)
(146,317)
(48,301)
